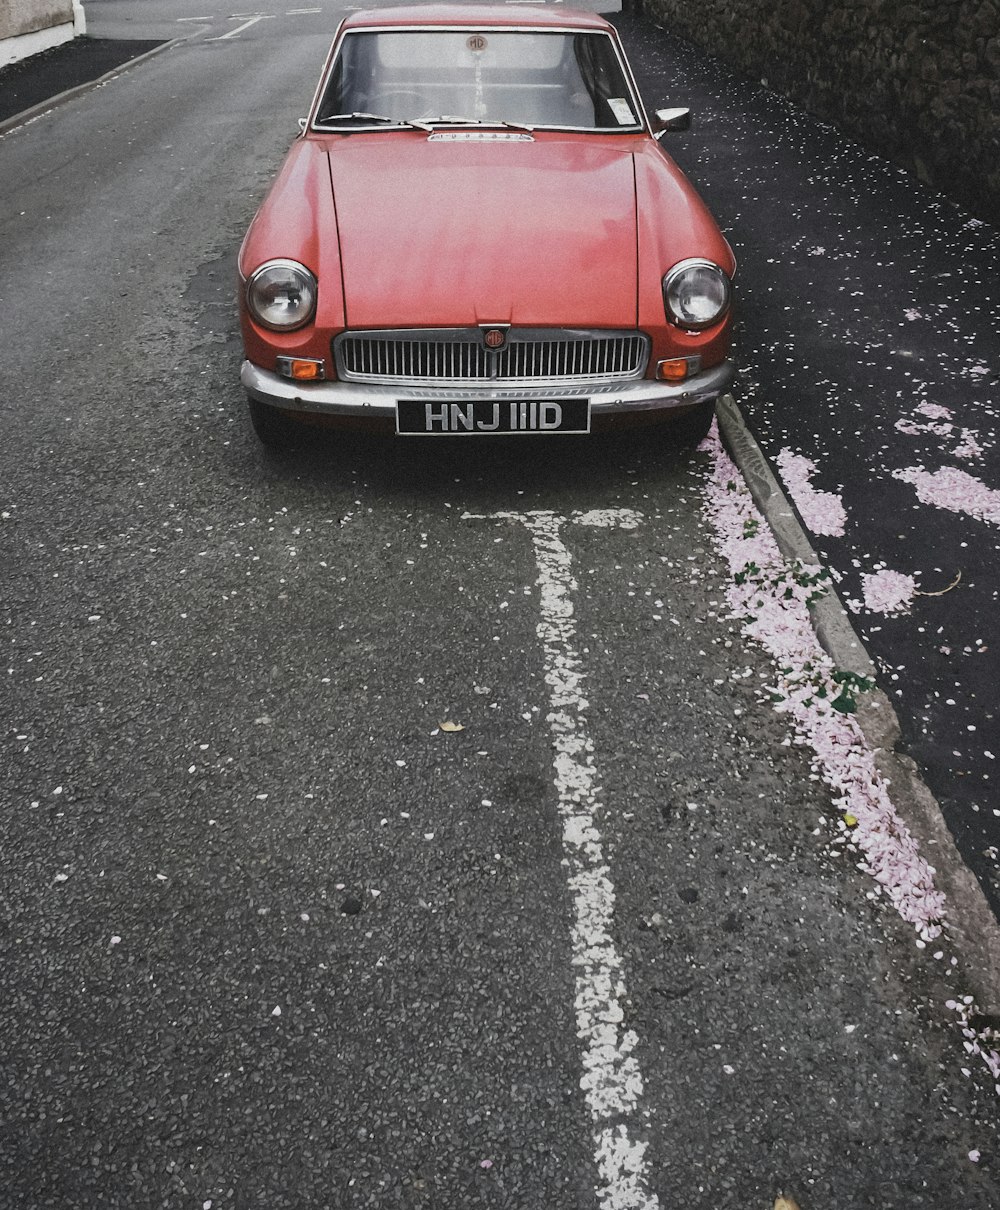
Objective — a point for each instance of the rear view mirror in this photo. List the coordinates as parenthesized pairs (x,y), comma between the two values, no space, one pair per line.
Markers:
(671,119)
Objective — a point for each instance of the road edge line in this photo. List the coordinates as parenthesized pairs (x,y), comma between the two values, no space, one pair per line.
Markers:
(971,925)
(36,111)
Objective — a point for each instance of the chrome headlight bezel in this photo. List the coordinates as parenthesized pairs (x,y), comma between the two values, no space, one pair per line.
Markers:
(717,297)
(295,291)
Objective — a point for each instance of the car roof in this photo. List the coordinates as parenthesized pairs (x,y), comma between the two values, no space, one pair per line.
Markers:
(487,15)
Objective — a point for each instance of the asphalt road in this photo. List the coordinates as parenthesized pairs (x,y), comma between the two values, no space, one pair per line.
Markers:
(270,936)
(869,351)
(36,80)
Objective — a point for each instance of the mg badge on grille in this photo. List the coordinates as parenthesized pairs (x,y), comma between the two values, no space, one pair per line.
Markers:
(494,338)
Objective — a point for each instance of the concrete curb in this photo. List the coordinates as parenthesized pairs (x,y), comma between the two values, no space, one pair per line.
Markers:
(26,115)
(971,925)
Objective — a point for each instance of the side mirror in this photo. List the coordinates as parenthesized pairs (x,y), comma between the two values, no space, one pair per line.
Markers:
(671,119)
(302,124)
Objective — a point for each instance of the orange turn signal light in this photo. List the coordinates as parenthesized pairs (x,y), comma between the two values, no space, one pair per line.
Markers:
(674,370)
(305,371)
(301,369)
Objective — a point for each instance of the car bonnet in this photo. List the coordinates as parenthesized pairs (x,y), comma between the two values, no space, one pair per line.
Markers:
(474,228)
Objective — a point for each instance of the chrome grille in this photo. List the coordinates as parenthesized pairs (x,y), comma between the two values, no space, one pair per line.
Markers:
(458,355)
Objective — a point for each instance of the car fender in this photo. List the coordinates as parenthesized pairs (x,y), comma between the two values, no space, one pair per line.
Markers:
(673,224)
(297,220)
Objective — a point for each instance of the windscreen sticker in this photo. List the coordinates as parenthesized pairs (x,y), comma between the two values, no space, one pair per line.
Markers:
(622,111)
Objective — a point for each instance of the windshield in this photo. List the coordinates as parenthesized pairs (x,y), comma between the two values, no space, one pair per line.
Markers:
(494,77)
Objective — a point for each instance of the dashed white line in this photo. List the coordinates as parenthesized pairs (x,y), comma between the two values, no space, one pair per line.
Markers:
(612,1080)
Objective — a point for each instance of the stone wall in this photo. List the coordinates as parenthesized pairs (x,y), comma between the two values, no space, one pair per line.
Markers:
(27,27)
(918,81)
(18,17)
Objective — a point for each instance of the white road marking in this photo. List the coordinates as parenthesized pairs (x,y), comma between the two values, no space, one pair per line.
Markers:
(233,33)
(291,12)
(612,1080)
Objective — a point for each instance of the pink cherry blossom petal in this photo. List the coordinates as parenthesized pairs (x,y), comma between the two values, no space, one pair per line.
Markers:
(770,598)
(954,490)
(888,592)
(822,512)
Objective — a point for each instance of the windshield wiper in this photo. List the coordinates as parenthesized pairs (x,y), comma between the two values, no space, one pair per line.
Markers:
(423,123)
(369,117)
(354,117)
(450,119)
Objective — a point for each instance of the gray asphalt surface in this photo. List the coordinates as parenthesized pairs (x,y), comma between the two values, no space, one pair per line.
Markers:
(38,79)
(225,795)
(868,345)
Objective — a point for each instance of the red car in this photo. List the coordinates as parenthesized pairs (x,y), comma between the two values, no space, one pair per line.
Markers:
(478,232)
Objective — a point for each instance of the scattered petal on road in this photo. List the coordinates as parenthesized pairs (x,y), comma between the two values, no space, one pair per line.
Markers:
(822,512)
(954,490)
(888,592)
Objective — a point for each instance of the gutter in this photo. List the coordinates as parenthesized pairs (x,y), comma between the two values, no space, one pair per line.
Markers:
(970,924)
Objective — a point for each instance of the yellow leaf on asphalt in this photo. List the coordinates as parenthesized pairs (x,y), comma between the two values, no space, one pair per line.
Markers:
(786,1203)
(451,727)
(851,820)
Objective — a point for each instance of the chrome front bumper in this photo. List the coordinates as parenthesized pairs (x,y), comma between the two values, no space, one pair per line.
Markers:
(360,399)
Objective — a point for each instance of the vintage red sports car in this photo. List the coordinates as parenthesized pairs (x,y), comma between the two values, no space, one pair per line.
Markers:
(478,232)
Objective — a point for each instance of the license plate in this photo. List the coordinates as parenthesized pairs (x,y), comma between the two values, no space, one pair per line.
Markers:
(421,417)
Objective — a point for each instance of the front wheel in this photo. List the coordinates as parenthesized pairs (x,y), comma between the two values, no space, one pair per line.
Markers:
(275,428)
(693,426)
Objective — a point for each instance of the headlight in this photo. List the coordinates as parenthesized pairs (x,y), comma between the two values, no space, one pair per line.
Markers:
(281,294)
(695,294)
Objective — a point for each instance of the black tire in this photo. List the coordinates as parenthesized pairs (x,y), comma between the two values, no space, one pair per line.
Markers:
(275,428)
(693,426)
